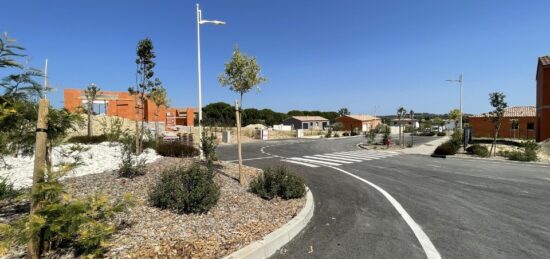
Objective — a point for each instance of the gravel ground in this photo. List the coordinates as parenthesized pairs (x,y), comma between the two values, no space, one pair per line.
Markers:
(238,218)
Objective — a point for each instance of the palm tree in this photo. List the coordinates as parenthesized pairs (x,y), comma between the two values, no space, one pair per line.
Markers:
(159,97)
(91,93)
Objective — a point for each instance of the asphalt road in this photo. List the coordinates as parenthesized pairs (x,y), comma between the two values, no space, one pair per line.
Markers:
(466,208)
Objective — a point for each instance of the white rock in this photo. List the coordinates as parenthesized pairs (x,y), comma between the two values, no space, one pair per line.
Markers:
(99,158)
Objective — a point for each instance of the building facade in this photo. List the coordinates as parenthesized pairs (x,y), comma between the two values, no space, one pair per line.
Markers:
(518,122)
(543,99)
(122,104)
(359,123)
(307,122)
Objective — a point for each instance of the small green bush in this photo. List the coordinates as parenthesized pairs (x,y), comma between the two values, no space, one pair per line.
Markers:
(478,150)
(185,190)
(130,166)
(529,153)
(503,153)
(278,181)
(441,134)
(87,139)
(447,148)
(353,133)
(6,189)
(176,150)
(82,225)
(336,135)
(328,134)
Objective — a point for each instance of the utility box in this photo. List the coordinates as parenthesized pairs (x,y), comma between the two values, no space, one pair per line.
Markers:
(264,134)
(299,133)
(226,136)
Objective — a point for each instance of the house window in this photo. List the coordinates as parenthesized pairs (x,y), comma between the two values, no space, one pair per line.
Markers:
(305,125)
(515,126)
(311,124)
(530,126)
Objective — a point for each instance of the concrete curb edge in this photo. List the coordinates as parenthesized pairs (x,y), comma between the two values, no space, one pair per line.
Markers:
(269,244)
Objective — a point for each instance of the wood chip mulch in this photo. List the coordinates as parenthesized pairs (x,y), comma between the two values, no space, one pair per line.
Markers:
(238,218)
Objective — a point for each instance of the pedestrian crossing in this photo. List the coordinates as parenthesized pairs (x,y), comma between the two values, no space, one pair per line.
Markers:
(339,158)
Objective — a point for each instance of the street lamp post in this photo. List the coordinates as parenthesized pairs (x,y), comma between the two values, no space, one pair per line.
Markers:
(199,22)
(460,80)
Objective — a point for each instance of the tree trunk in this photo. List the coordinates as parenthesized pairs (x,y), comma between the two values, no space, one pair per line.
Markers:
(34,245)
(136,110)
(142,130)
(90,106)
(495,140)
(242,178)
(157,125)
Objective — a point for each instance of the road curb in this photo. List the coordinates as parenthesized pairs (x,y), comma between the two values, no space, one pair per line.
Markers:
(268,245)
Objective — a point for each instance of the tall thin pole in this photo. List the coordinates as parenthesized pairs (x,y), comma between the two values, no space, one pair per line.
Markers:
(199,76)
(461,83)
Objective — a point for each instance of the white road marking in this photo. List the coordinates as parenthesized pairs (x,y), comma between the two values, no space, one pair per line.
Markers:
(349,157)
(314,161)
(249,159)
(328,159)
(300,163)
(425,242)
(340,158)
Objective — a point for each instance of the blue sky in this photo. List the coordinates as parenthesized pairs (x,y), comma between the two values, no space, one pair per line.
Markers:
(318,55)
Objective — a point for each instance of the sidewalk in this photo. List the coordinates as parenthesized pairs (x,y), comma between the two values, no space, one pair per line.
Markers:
(425,149)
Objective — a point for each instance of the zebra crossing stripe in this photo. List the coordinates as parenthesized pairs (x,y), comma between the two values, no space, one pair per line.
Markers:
(300,163)
(340,158)
(328,159)
(314,161)
(348,157)
(367,156)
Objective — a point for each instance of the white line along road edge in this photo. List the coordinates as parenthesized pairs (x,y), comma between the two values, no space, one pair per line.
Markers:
(427,245)
(268,245)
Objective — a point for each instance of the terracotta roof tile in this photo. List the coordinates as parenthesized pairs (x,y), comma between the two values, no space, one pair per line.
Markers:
(516,111)
(545,60)
(362,117)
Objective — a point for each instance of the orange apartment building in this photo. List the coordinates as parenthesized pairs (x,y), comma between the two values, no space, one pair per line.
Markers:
(543,99)
(482,126)
(122,104)
(358,123)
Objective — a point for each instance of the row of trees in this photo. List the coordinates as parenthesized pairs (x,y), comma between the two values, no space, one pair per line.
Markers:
(223,115)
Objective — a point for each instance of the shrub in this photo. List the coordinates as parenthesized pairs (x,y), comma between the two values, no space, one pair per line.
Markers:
(336,135)
(278,181)
(176,150)
(130,166)
(185,190)
(345,134)
(503,153)
(478,150)
(82,225)
(441,134)
(328,134)
(114,129)
(209,146)
(353,133)
(447,148)
(6,189)
(529,153)
(87,139)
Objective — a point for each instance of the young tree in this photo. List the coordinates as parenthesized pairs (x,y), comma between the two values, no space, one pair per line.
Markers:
(499,104)
(91,93)
(454,114)
(145,65)
(241,74)
(343,111)
(159,97)
(400,114)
